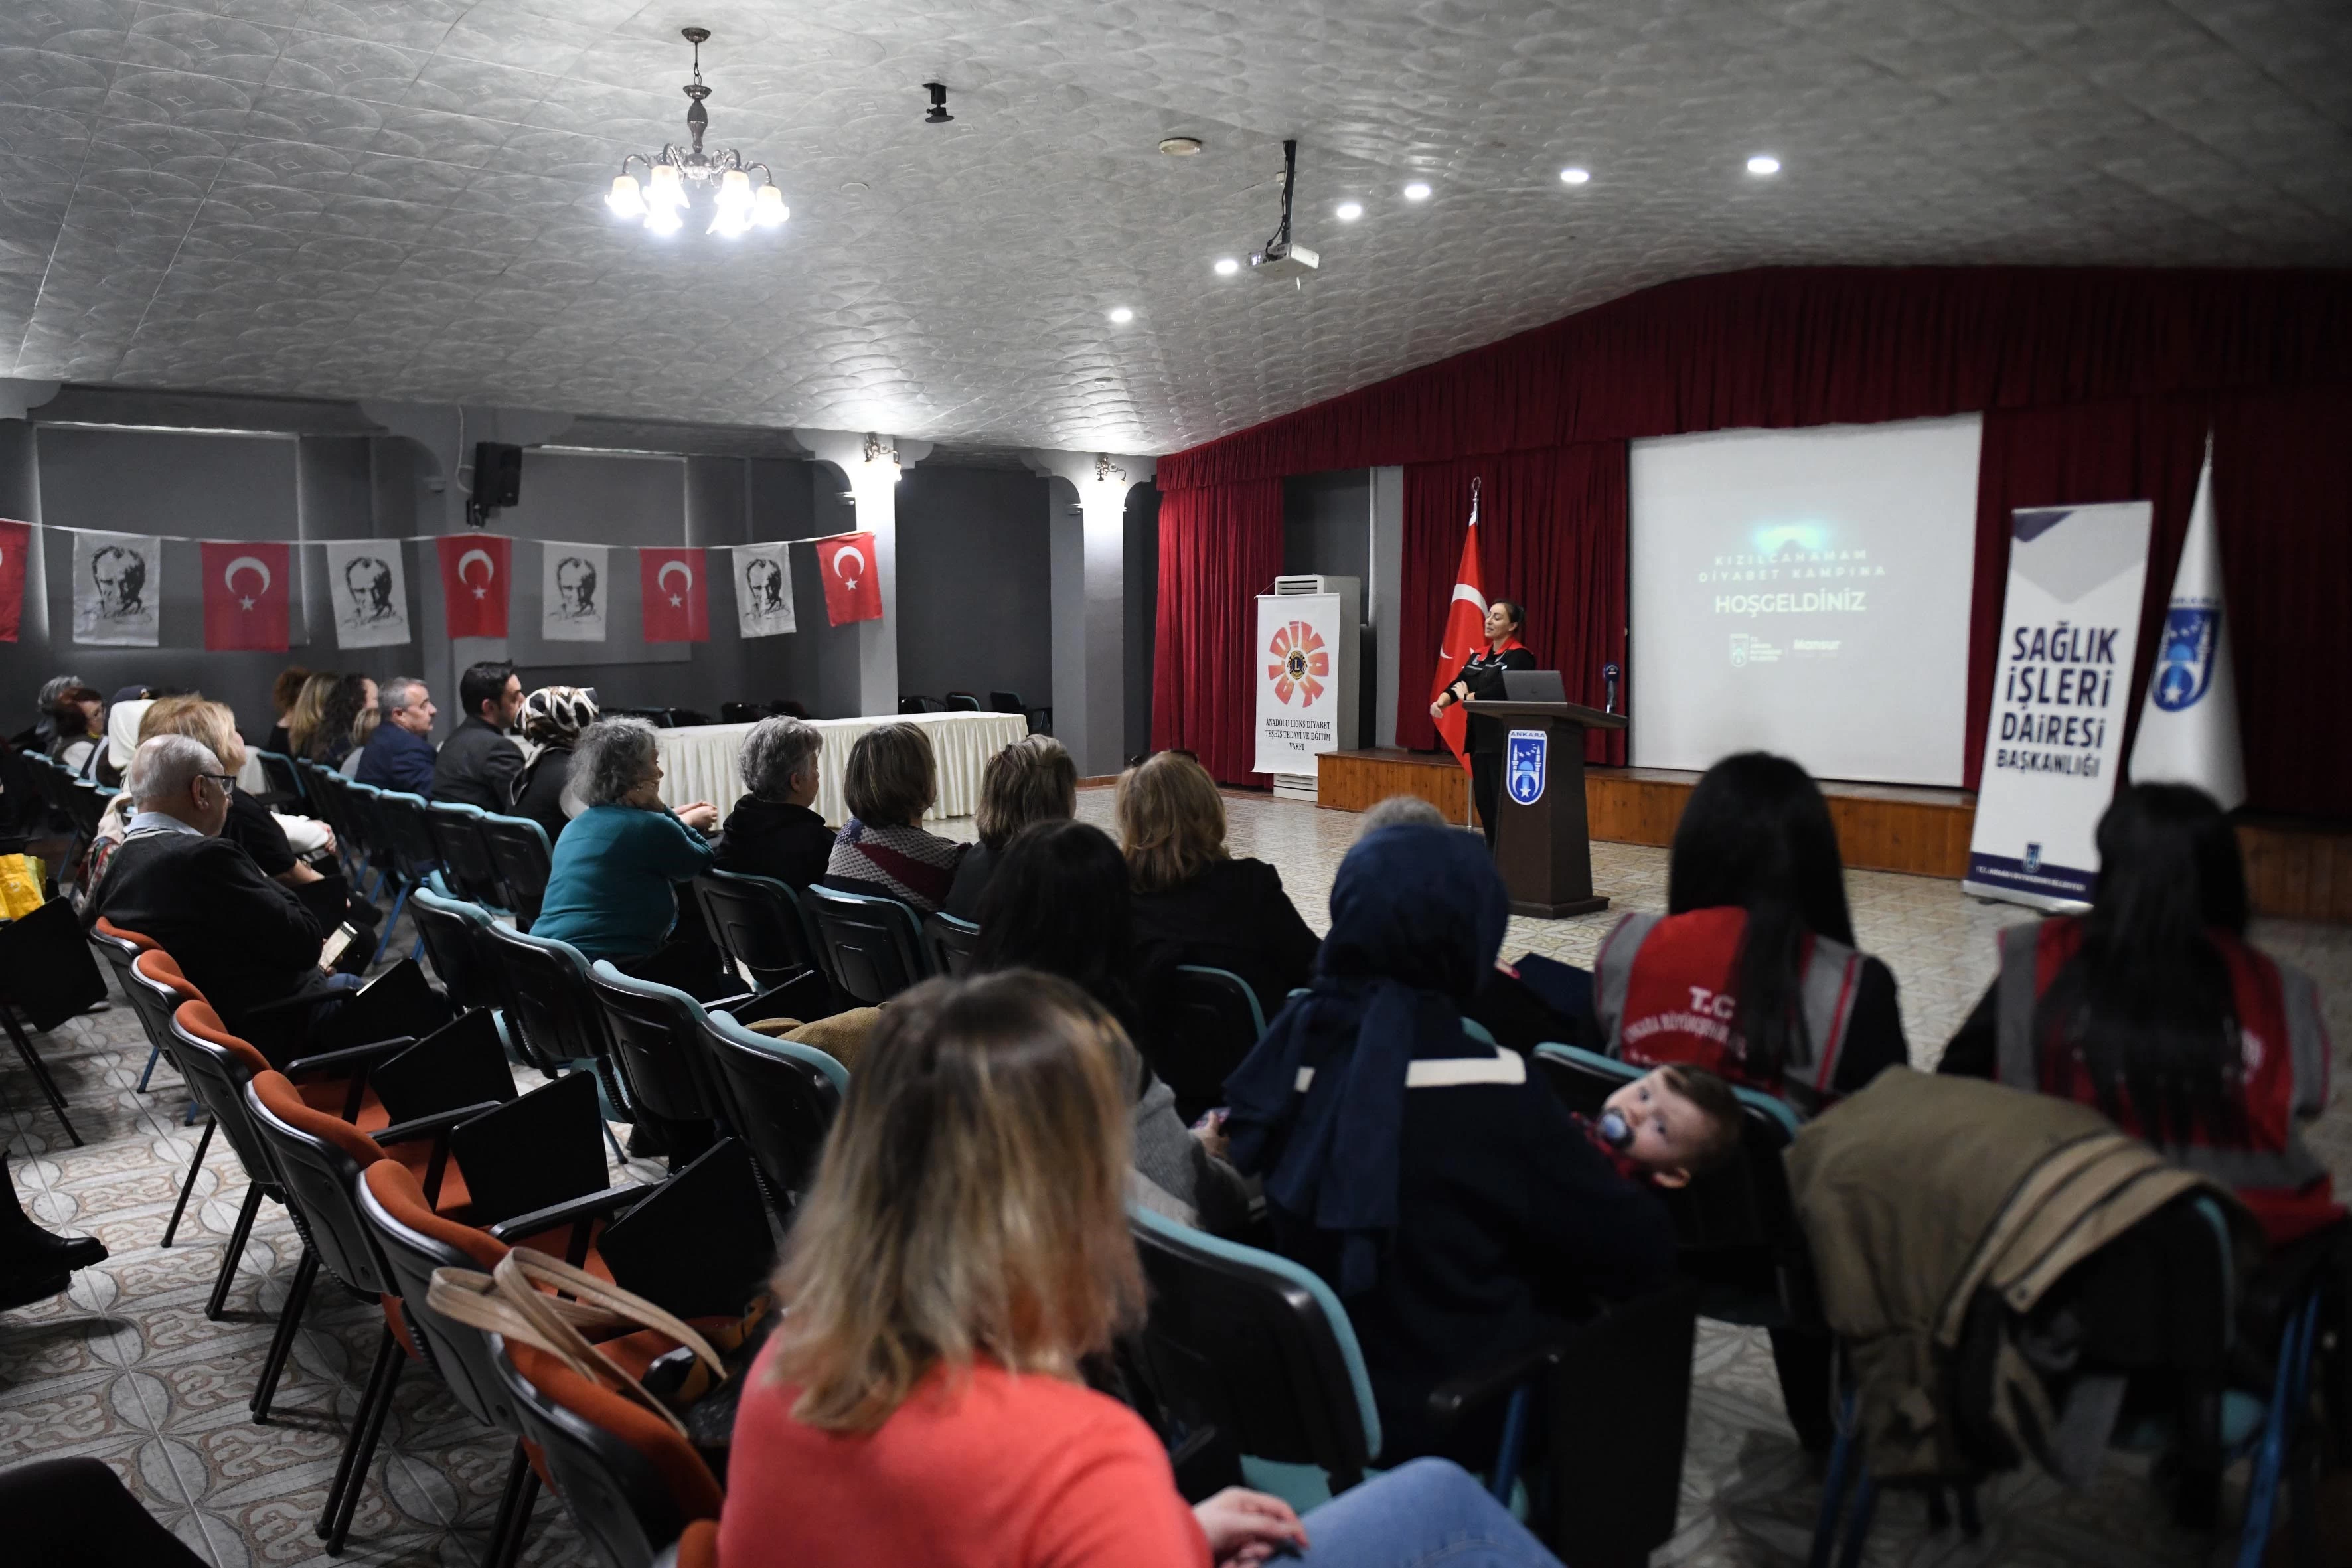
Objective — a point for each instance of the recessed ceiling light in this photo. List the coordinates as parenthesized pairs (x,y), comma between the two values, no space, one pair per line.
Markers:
(1180,146)
(1120,315)
(1763,164)
(855,188)
(1227,266)
(1349,212)
(1416,192)
(1574,176)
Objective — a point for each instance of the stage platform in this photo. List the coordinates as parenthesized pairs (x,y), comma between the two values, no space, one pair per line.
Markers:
(2294,870)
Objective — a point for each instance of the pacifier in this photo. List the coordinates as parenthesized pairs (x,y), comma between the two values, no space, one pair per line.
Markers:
(1614,1130)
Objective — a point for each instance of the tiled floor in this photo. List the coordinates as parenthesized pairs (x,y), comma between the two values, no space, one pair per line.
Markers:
(125,1367)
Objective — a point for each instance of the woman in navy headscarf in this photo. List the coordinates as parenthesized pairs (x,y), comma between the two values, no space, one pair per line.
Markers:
(1448,1196)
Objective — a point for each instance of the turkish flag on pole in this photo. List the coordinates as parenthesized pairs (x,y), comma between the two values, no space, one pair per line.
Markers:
(1465,633)
(247,591)
(678,608)
(474,583)
(852,591)
(15,544)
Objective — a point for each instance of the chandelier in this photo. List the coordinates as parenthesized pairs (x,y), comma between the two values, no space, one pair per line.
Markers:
(663,200)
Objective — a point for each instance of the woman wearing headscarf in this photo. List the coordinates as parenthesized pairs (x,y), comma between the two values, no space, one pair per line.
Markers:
(1445,1192)
(552,719)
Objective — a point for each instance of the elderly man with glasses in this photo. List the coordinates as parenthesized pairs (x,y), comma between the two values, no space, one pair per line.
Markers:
(244,940)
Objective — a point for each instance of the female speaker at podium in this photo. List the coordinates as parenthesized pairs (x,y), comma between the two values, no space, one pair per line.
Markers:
(1481,676)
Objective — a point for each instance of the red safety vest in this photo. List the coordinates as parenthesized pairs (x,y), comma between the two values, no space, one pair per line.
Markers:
(1664,988)
(2286,1053)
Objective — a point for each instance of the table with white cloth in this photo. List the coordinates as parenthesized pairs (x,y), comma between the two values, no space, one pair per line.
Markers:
(698,761)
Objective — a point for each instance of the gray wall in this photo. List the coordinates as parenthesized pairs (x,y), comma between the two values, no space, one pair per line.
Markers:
(1140,583)
(1327,529)
(975,591)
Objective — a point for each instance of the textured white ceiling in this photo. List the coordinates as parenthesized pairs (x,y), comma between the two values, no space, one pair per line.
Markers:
(402,197)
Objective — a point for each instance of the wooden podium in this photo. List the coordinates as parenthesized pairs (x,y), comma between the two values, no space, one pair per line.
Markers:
(1542,846)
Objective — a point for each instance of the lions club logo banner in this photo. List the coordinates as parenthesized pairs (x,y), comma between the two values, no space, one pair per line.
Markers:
(1298,682)
(1302,663)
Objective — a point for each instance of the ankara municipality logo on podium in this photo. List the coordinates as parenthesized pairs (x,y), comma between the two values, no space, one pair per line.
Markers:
(1523,765)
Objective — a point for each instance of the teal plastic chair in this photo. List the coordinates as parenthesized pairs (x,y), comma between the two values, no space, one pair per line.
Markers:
(780,1097)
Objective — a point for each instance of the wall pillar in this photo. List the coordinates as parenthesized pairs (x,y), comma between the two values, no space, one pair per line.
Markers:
(870,464)
(1384,600)
(1089,554)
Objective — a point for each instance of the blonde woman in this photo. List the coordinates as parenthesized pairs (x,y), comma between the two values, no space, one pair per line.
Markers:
(1195,903)
(963,1246)
(1035,779)
(308,715)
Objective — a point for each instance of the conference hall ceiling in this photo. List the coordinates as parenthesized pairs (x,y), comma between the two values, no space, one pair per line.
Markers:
(403,198)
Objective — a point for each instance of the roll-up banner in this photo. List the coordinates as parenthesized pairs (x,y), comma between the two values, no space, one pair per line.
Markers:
(1297,667)
(2053,744)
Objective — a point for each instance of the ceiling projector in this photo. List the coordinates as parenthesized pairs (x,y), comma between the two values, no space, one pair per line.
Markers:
(1277,260)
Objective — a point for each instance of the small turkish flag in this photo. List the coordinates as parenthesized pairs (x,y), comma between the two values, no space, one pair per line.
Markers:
(474,583)
(15,544)
(852,591)
(677,607)
(248,590)
(1465,633)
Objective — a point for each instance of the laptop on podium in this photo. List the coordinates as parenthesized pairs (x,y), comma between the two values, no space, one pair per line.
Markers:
(1533,685)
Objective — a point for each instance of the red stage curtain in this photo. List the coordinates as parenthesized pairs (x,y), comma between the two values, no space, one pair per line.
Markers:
(1219,548)
(1552,537)
(1786,346)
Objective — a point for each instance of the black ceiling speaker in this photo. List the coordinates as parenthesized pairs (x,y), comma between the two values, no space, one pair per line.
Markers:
(497,474)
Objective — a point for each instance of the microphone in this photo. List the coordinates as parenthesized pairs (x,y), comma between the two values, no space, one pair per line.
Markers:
(1609,674)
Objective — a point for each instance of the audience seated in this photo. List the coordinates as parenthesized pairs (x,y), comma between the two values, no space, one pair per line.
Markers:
(1442,1188)
(552,717)
(245,941)
(307,719)
(610,889)
(2154,1008)
(363,729)
(962,1249)
(79,740)
(284,692)
(332,741)
(479,760)
(1059,903)
(282,847)
(1752,971)
(45,707)
(891,781)
(1031,780)
(772,831)
(1195,903)
(399,755)
(35,1263)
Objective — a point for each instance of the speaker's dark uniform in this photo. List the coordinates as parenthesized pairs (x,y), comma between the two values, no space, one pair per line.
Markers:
(1483,674)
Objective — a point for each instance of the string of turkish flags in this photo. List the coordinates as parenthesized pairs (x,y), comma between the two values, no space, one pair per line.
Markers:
(248,586)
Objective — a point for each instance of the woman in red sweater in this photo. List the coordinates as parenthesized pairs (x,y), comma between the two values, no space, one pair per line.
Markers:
(963,1245)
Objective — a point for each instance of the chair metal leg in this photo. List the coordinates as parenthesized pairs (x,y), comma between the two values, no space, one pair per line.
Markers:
(367,1433)
(1841,1455)
(390,920)
(40,1070)
(1866,1508)
(154,1053)
(2287,1392)
(290,1323)
(189,1186)
(514,1509)
(387,1358)
(234,1253)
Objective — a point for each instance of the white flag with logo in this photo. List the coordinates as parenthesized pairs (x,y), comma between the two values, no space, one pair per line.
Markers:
(368,582)
(764,589)
(2189,724)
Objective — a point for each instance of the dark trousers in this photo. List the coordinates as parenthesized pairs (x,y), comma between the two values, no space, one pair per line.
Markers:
(75,1513)
(1487,789)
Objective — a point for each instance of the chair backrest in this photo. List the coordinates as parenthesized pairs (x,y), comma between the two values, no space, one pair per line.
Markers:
(629,1481)
(449,928)
(1209,1020)
(761,924)
(318,1159)
(370,824)
(657,1035)
(549,1000)
(278,772)
(321,788)
(780,1098)
(963,702)
(1258,1348)
(85,803)
(217,1065)
(873,945)
(464,857)
(153,994)
(1005,702)
(1737,1227)
(416,854)
(118,947)
(521,856)
(412,1241)
(951,942)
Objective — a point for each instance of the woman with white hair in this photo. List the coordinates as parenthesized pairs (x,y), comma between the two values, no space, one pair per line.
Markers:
(773,831)
(611,888)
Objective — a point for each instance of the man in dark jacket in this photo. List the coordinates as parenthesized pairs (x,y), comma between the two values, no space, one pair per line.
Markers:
(244,940)
(479,763)
(399,755)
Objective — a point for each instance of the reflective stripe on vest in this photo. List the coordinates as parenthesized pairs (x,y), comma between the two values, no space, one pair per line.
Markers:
(1826,993)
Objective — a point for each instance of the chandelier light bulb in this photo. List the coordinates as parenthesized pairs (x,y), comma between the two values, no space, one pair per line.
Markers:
(768,209)
(741,192)
(734,192)
(662,219)
(666,190)
(626,200)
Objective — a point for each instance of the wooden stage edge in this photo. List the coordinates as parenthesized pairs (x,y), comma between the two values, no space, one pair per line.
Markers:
(2294,870)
